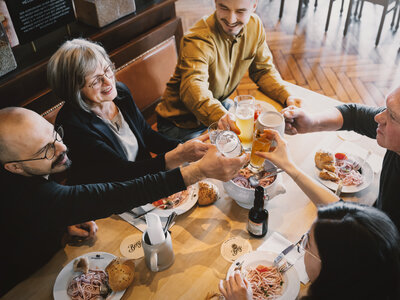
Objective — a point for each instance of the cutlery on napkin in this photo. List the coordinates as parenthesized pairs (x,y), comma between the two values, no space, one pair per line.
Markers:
(277,243)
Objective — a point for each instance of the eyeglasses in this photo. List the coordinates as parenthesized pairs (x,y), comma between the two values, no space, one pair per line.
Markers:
(302,245)
(50,149)
(97,82)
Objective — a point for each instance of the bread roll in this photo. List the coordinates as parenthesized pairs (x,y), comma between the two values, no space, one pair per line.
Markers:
(208,193)
(327,175)
(120,274)
(324,158)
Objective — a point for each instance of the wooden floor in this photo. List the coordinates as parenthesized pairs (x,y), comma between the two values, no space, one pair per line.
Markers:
(350,69)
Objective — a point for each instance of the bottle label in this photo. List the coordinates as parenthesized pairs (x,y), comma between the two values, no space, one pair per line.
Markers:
(255,228)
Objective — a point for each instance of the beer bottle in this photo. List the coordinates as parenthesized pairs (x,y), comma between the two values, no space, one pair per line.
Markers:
(257,225)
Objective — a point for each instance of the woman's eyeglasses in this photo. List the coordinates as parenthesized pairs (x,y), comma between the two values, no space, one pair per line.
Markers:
(50,149)
(302,246)
(98,81)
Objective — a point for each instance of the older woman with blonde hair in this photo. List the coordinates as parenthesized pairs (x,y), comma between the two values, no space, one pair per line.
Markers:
(108,137)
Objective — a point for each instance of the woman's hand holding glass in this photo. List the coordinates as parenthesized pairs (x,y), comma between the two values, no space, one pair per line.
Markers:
(278,155)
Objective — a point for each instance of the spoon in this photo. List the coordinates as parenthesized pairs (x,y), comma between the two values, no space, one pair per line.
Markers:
(255,179)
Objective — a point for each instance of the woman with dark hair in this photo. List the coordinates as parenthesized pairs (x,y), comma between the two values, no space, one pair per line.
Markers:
(108,137)
(352,251)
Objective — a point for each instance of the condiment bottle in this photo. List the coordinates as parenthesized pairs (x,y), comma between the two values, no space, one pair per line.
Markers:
(257,225)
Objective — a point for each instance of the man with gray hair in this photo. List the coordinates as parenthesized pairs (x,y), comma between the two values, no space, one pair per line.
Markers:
(35,210)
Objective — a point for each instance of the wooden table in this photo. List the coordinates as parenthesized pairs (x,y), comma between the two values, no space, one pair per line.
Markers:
(198,234)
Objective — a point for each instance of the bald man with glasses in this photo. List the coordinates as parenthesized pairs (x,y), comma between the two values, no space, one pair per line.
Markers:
(35,210)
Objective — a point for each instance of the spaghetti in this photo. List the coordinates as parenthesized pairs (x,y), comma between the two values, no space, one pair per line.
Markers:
(90,285)
(266,282)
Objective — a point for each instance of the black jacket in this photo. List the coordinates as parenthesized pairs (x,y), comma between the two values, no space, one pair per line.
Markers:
(95,151)
(34,213)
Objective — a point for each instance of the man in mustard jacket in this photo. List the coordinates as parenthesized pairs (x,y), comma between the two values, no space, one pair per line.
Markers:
(215,55)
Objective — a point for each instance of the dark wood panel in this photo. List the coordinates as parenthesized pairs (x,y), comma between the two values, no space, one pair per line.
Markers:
(29,81)
(120,56)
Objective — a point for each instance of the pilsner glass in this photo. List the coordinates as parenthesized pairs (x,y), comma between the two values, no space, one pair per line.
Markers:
(245,119)
(261,144)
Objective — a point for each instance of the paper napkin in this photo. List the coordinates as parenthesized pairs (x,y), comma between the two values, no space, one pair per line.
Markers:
(277,243)
(139,223)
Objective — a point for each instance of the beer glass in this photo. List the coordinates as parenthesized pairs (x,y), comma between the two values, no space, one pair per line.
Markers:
(228,144)
(271,120)
(245,119)
(213,132)
(261,144)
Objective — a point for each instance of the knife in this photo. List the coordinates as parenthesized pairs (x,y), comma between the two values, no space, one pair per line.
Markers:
(283,253)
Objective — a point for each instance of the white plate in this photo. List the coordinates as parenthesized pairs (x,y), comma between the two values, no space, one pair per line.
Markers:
(291,281)
(184,207)
(367,175)
(97,260)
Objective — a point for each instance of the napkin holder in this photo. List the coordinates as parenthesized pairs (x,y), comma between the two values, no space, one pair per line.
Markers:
(99,13)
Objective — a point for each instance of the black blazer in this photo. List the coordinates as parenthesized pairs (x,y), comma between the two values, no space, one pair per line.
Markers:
(95,151)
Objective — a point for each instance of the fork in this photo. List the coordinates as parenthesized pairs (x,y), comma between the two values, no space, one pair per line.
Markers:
(238,266)
(284,267)
(281,255)
(339,188)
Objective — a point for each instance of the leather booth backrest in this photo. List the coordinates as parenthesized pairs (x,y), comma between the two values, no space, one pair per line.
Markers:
(51,114)
(146,75)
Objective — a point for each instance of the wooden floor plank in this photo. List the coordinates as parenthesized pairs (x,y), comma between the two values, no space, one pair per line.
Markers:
(347,68)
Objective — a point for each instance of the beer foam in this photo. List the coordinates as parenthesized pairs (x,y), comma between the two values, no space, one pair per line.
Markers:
(271,119)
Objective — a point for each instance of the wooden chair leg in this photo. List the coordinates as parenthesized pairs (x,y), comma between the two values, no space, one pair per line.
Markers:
(346,26)
(396,6)
(398,21)
(355,11)
(328,17)
(299,11)
(281,9)
(361,8)
(381,24)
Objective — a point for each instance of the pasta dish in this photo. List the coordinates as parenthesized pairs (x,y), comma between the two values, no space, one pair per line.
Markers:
(266,282)
(90,285)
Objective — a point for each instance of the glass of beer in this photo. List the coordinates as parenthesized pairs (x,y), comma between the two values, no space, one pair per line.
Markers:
(214,130)
(245,119)
(261,144)
(228,144)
